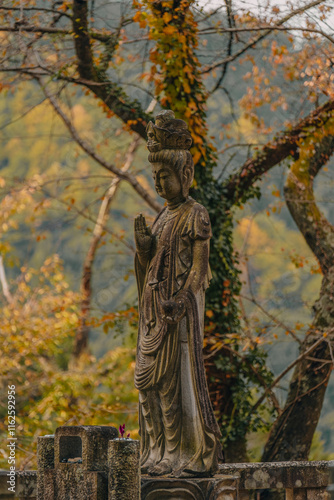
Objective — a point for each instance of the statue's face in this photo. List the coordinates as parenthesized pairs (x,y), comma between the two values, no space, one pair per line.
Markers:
(166,181)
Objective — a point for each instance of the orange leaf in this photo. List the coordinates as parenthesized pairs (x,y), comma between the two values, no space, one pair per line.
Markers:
(167,17)
(169,30)
(186,87)
(196,157)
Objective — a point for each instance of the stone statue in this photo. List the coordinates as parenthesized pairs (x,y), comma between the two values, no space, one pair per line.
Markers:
(179,433)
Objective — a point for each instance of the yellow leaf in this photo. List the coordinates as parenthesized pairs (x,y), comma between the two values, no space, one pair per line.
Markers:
(196,157)
(186,87)
(137,17)
(169,30)
(167,17)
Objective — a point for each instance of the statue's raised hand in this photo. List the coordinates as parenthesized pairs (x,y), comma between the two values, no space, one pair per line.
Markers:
(143,235)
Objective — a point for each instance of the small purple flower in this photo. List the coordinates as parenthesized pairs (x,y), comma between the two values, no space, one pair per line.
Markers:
(122,430)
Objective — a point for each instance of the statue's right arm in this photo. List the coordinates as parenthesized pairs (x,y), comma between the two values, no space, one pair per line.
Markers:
(143,239)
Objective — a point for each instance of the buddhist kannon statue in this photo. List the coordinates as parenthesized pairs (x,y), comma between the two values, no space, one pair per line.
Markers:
(179,433)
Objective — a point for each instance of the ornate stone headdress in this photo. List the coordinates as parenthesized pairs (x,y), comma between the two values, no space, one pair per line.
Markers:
(168,133)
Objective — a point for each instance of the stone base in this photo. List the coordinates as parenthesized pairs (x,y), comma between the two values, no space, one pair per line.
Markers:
(219,487)
(72,482)
(279,475)
(297,480)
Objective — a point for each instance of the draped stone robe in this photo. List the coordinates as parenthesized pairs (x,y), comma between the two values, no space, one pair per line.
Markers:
(176,419)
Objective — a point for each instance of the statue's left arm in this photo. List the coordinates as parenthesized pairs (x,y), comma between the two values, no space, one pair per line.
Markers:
(199,235)
(199,268)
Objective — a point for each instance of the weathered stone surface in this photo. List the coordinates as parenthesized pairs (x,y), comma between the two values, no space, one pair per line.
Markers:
(45,461)
(296,494)
(75,465)
(88,442)
(124,469)
(317,494)
(172,272)
(71,482)
(243,495)
(49,485)
(279,475)
(311,473)
(26,486)
(215,488)
(331,475)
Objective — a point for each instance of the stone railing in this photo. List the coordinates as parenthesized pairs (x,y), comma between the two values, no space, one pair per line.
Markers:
(299,481)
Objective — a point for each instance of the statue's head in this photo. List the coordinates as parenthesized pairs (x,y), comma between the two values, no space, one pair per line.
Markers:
(168,133)
(169,141)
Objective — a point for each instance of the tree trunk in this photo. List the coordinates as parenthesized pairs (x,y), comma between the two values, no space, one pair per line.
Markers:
(236,452)
(292,433)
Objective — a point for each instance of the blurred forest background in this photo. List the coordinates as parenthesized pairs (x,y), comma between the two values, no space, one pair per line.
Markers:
(51,194)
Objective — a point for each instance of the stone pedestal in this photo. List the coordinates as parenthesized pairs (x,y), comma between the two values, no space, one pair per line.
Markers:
(219,487)
(124,469)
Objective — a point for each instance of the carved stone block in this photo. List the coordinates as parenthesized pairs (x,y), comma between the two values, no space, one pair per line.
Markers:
(214,488)
(74,465)
(87,443)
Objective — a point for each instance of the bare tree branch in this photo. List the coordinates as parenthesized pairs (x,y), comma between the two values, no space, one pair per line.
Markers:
(284,372)
(36,9)
(81,337)
(260,37)
(263,383)
(269,28)
(4,283)
(19,27)
(274,152)
(127,176)
(85,215)
(34,29)
(273,318)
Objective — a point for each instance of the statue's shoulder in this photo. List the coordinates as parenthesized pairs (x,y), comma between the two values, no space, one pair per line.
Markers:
(198,223)
(198,208)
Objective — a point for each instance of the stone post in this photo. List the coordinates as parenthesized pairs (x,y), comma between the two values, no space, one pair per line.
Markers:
(331,479)
(45,461)
(124,469)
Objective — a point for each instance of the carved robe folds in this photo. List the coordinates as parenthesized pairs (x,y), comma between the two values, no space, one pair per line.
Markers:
(175,414)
